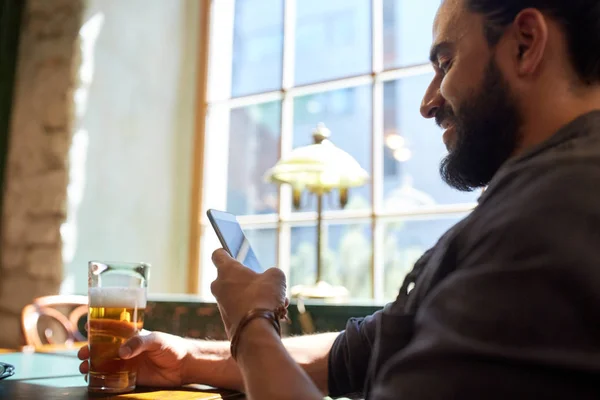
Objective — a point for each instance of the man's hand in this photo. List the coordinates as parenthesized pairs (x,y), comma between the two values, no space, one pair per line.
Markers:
(161,358)
(239,290)
(268,369)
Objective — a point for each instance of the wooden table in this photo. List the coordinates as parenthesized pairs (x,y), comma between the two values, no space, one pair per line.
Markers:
(52,376)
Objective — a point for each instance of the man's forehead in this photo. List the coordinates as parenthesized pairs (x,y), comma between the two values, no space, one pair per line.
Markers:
(449,21)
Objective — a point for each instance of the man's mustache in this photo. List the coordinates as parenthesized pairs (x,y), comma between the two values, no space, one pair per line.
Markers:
(444,114)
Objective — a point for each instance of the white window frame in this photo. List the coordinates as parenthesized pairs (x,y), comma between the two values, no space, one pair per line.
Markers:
(210,184)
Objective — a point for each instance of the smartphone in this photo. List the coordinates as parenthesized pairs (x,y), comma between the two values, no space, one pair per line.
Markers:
(232,238)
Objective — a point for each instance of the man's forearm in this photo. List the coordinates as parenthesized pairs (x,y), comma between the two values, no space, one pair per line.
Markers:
(311,352)
(209,362)
(269,370)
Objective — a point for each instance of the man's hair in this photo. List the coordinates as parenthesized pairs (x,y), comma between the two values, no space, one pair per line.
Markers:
(580,20)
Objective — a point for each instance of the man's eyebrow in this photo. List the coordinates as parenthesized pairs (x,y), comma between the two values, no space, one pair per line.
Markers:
(436,49)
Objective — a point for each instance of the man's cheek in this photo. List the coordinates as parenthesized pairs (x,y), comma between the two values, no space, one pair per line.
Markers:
(455,88)
(448,91)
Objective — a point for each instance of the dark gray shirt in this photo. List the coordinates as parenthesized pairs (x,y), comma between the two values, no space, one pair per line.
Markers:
(507,304)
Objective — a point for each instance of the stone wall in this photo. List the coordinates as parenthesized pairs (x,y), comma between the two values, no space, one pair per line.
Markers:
(37,172)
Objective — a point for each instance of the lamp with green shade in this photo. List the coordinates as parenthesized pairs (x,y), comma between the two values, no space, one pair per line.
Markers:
(318,168)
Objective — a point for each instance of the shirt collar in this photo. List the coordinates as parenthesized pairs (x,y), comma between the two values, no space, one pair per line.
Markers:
(582,126)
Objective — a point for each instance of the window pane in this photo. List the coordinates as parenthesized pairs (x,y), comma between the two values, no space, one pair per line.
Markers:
(333,39)
(413,149)
(264,244)
(257,46)
(253,149)
(347,113)
(405,241)
(407,26)
(346,257)
(303,264)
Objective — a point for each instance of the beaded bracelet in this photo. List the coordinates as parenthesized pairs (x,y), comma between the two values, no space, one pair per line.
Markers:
(272,316)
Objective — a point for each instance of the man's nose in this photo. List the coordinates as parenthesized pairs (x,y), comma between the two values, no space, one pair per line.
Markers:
(432,101)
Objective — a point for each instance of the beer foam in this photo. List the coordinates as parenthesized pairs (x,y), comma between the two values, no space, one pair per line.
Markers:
(117,297)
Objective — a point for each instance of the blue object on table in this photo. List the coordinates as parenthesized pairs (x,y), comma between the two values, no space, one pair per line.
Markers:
(6,370)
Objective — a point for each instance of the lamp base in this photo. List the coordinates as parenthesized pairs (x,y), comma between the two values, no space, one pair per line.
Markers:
(321,290)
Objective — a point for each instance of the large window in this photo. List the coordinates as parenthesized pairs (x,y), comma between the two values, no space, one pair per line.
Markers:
(280,67)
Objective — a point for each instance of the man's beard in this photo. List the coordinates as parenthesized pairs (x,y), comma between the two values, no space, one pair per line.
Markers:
(487,133)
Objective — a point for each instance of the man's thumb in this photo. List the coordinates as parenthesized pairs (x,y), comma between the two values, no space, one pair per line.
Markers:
(136,345)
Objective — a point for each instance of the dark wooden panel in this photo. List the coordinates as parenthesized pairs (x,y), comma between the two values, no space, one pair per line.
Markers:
(11,12)
(202,320)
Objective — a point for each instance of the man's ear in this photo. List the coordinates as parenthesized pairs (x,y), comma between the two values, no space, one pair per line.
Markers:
(530,31)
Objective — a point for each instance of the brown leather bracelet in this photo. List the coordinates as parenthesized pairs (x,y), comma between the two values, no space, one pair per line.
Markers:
(272,316)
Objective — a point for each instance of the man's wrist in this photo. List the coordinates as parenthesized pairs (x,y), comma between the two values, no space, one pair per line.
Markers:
(256,335)
(209,362)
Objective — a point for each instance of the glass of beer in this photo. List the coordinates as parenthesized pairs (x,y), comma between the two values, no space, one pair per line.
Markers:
(117,300)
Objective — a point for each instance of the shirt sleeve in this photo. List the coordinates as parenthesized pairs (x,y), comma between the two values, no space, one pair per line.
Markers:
(519,318)
(350,354)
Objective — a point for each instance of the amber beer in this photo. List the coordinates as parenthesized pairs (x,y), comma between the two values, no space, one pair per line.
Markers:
(115,315)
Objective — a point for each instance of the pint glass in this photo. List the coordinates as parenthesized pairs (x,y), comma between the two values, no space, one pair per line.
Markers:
(117,300)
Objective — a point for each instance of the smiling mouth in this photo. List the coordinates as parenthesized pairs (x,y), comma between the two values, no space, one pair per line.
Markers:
(448,135)
(446,125)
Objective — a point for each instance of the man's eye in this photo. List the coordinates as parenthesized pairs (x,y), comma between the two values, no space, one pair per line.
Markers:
(445,66)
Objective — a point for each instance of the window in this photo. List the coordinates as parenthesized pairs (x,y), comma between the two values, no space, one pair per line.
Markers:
(280,67)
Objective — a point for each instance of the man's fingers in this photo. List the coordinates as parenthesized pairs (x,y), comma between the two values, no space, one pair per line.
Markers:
(220,256)
(84,367)
(227,265)
(83,353)
(276,274)
(214,289)
(139,344)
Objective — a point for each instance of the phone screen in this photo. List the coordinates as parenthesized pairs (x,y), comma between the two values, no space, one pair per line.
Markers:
(233,239)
